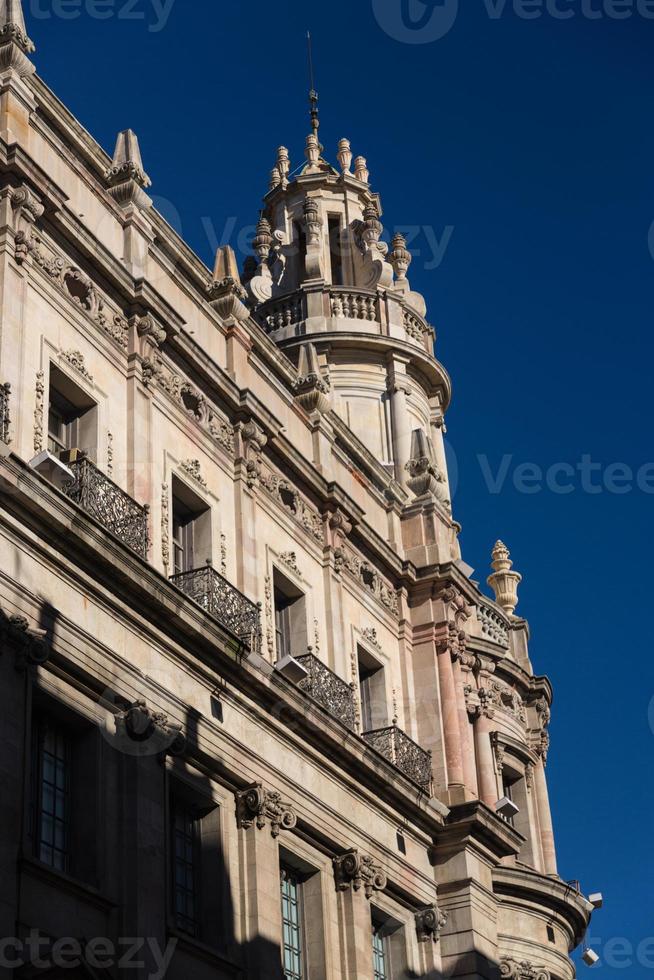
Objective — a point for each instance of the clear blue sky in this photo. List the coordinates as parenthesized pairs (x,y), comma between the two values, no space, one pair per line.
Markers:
(533,140)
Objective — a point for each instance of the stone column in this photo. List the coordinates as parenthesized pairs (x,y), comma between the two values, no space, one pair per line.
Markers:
(397,387)
(545,818)
(467,743)
(450,709)
(487,777)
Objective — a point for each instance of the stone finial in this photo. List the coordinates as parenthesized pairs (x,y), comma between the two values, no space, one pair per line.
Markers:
(361,171)
(312,153)
(425,475)
(400,257)
(275,179)
(503,581)
(262,241)
(283,164)
(311,389)
(344,156)
(15,45)
(372,228)
(226,292)
(126,177)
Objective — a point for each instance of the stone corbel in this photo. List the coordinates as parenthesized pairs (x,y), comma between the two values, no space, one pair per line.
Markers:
(425,477)
(30,645)
(355,871)
(150,729)
(258,806)
(147,337)
(27,209)
(429,923)
(253,440)
(499,750)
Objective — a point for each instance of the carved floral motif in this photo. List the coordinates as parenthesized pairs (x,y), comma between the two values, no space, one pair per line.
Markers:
(513,970)
(38,412)
(76,360)
(363,571)
(193,469)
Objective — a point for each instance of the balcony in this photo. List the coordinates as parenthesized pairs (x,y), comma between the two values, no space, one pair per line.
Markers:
(223,602)
(405,754)
(5,391)
(328,690)
(104,500)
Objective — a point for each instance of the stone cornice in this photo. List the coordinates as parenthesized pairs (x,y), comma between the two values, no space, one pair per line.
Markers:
(544,894)
(134,583)
(475,825)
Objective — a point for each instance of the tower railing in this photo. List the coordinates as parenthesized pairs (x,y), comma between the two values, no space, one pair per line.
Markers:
(111,506)
(224,602)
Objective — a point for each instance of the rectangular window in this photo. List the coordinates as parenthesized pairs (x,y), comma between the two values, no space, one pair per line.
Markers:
(372,692)
(507,789)
(191,529)
(72,416)
(380,958)
(335,249)
(292,931)
(185,867)
(52,796)
(290,617)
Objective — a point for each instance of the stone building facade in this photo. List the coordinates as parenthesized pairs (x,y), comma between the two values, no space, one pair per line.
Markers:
(254,709)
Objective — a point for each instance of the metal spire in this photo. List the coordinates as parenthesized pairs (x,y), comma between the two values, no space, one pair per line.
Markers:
(313,95)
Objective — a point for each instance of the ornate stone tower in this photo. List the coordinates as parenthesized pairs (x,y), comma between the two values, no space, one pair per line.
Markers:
(334,297)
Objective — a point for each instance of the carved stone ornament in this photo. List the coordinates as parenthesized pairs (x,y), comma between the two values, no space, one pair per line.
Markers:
(76,360)
(260,285)
(126,178)
(450,634)
(195,405)
(30,644)
(38,412)
(253,440)
(400,257)
(27,209)
(429,923)
(425,476)
(311,388)
(504,582)
(513,970)
(346,560)
(193,469)
(290,560)
(165,525)
(226,292)
(15,45)
(354,870)
(370,634)
(151,729)
(258,806)
(344,156)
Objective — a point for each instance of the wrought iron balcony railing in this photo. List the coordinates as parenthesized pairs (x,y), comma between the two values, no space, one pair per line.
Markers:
(328,690)
(405,754)
(109,505)
(220,599)
(5,391)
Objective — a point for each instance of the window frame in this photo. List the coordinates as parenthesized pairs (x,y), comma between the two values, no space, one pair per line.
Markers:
(193,926)
(296,878)
(44,724)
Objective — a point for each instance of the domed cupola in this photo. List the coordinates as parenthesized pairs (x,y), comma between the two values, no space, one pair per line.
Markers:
(323,276)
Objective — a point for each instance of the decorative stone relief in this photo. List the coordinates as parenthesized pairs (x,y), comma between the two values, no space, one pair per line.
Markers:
(499,749)
(270,636)
(450,634)
(194,404)
(149,338)
(512,970)
(429,923)
(316,639)
(27,209)
(425,477)
(76,360)
(223,556)
(286,494)
(370,634)
(165,525)
(110,454)
(504,582)
(354,870)
(74,284)
(339,529)
(126,178)
(38,412)
(253,439)
(193,469)
(258,806)
(289,558)
(363,572)
(151,728)
(529,776)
